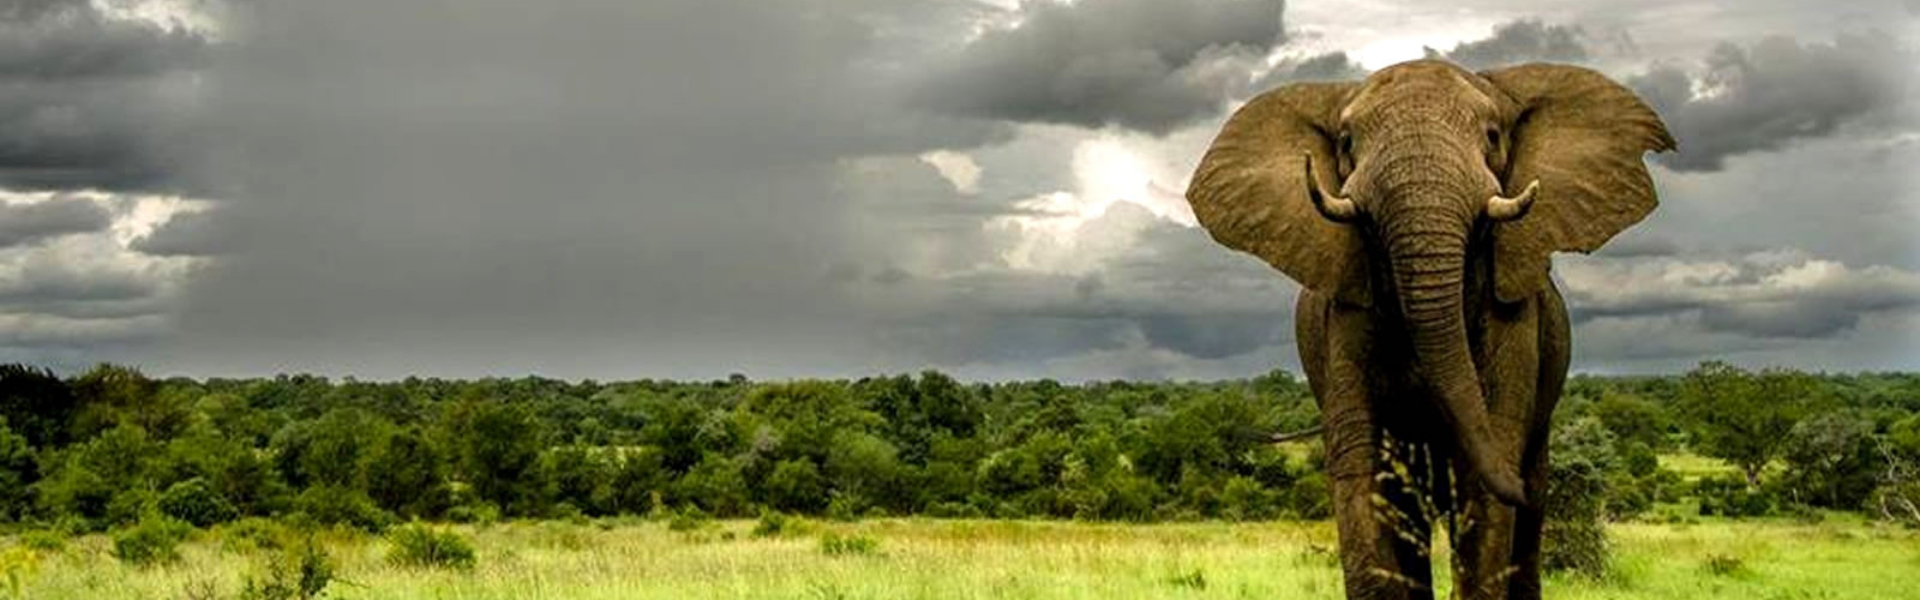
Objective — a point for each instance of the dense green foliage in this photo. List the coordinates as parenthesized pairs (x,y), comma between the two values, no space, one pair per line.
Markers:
(112,448)
(417,545)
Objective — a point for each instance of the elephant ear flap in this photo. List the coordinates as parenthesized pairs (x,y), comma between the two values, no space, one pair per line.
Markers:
(1584,138)
(1250,190)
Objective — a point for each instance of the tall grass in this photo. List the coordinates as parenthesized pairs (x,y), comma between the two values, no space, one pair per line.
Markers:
(1837,558)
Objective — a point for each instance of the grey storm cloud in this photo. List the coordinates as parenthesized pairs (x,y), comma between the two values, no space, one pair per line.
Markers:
(686,188)
(27,223)
(1521,41)
(1778,91)
(1775,294)
(1331,66)
(1167,287)
(49,282)
(638,188)
(1150,65)
(88,100)
(196,233)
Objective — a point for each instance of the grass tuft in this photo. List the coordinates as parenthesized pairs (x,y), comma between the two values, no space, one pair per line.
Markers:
(833,544)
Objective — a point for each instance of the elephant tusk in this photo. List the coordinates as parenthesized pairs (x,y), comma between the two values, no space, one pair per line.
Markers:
(1334,207)
(1500,208)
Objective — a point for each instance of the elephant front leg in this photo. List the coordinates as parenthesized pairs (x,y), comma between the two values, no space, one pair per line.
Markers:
(1380,557)
(1384,532)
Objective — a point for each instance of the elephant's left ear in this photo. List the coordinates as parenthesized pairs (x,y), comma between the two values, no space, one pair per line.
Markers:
(1584,138)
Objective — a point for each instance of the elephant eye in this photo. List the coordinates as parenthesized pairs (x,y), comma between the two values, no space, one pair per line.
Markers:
(1493,139)
(1346,143)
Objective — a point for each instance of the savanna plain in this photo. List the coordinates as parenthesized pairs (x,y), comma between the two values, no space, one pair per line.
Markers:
(1836,557)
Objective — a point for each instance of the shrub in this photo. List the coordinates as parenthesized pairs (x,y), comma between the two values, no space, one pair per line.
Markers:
(130,506)
(480,513)
(833,544)
(152,541)
(1729,495)
(336,505)
(44,540)
(1310,497)
(192,501)
(1192,580)
(420,546)
(688,518)
(253,533)
(1242,499)
(1723,564)
(1576,496)
(845,506)
(1897,498)
(301,573)
(17,471)
(773,524)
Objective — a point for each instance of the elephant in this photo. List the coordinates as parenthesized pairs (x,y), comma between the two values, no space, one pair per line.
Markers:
(1418,209)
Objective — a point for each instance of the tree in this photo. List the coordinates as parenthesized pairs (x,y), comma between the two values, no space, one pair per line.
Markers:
(331,450)
(38,405)
(91,480)
(716,485)
(16,473)
(1832,460)
(795,485)
(1741,417)
(228,466)
(110,394)
(1631,419)
(499,445)
(579,476)
(407,475)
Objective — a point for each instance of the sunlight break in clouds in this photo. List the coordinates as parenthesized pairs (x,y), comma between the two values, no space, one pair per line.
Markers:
(1106,170)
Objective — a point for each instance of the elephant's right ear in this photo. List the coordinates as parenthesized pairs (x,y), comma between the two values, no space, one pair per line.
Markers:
(1250,190)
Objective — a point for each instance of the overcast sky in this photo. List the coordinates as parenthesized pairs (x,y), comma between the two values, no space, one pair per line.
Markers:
(783,188)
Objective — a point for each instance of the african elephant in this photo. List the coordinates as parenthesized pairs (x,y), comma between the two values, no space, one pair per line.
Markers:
(1417,209)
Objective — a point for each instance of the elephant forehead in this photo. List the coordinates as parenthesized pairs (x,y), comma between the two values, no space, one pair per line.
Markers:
(1426,86)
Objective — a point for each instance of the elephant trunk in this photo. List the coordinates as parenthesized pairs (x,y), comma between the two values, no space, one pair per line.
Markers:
(1427,247)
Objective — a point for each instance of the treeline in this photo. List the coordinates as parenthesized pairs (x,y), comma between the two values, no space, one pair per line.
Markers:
(111,446)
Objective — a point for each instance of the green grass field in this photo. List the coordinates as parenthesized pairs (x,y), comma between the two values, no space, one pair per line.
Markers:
(917,558)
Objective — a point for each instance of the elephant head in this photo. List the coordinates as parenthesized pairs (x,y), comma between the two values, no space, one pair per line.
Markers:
(1321,179)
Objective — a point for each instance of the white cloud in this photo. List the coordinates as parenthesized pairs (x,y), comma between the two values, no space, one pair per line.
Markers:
(957,168)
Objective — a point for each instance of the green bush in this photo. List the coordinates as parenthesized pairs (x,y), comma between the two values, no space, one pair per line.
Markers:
(129,506)
(688,518)
(1576,497)
(152,541)
(480,513)
(45,540)
(845,506)
(192,501)
(1729,495)
(336,505)
(300,573)
(17,471)
(420,546)
(774,524)
(833,544)
(795,485)
(253,533)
